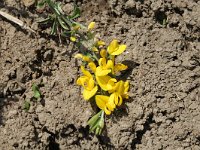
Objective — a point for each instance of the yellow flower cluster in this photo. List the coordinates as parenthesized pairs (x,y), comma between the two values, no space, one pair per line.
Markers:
(75,28)
(99,81)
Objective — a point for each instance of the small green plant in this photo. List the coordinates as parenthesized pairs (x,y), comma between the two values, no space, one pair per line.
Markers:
(26,105)
(36,91)
(36,95)
(100,81)
(60,22)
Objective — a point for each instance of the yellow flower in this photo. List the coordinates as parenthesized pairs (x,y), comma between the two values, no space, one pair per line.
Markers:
(76,27)
(92,66)
(91,26)
(88,84)
(100,43)
(94,49)
(73,38)
(119,67)
(116,98)
(104,67)
(115,49)
(118,92)
(103,53)
(106,82)
(121,88)
(85,58)
(104,103)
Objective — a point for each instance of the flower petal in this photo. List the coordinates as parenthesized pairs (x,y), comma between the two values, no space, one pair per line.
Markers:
(107,111)
(85,58)
(103,53)
(81,80)
(102,72)
(109,64)
(100,43)
(94,49)
(102,81)
(92,66)
(85,72)
(111,105)
(119,100)
(102,61)
(78,55)
(120,67)
(73,38)
(112,47)
(111,83)
(90,85)
(87,94)
(91,25)
(126,86)
(120,50)
(101,101)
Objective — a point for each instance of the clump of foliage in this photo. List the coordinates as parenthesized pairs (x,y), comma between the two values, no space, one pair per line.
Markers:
(36,96)
(100,81)
(60,22)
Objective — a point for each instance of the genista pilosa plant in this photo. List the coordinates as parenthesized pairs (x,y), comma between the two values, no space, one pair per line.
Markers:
(100,81)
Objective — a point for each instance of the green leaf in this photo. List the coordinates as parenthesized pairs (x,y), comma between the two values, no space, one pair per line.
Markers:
(41,4)
(96,123)
(62,24)
(27,105)
(58,6)
(36,91)
(54,27)
(94,119)
(76,13)
(44,21)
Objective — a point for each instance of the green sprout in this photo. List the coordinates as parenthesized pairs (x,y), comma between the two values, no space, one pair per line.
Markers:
(26,106)
(36,95)
(36,92)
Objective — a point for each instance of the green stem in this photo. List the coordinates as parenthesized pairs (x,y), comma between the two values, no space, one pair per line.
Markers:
(95,56)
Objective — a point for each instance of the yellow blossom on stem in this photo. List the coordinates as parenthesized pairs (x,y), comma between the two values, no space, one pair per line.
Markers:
(83,57)
(119,91)
(103,53)
(92,66)
(115,49)
(73,38)
(103,103)
(88,84)
(100,43)
(119,67)
(91,26)
(94,49)
(106,82)
(104,67)
(109,103)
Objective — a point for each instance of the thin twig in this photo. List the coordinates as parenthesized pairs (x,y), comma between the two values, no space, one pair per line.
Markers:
(16,21)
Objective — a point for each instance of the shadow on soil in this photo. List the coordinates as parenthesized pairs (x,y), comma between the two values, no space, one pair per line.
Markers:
(140,133)
(131,66)
(71,131)
(1,109)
